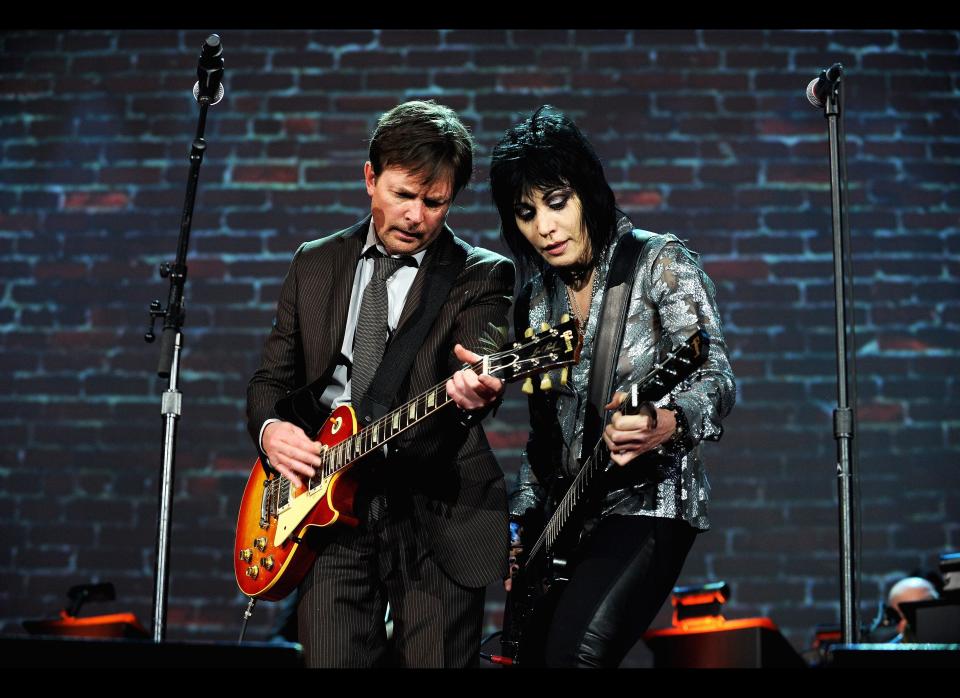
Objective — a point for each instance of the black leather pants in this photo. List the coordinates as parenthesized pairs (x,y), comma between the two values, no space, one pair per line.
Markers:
(629,566)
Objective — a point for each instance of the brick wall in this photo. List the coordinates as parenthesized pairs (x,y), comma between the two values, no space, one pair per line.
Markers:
(704,133)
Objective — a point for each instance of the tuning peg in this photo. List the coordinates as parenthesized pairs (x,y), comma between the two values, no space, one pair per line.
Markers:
(545,382)
(544,326)
(565,318)
(528,386)
(528,333)
(564,375)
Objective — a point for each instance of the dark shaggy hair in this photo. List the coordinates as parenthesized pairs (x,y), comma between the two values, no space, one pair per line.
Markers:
(424,138)
(544,152)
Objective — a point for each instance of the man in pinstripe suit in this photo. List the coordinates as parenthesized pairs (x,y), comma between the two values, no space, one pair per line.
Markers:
(433,509)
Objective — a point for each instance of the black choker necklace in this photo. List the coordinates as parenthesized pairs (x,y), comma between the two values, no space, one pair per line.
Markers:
(577,275)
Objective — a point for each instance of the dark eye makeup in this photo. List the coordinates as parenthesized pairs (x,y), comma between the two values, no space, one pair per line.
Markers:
(556,199)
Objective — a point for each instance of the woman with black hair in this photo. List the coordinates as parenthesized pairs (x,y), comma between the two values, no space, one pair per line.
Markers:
(559,218)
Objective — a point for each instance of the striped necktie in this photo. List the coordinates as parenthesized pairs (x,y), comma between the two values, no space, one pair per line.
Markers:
(370,339)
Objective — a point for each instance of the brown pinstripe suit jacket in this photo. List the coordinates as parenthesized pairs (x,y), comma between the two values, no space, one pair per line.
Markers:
(456,485)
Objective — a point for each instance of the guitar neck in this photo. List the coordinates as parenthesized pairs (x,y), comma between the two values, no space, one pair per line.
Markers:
(575,493)
(385,429)
(367,440)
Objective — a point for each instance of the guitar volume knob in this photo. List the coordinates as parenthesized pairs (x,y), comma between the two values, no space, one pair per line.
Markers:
(253,571)
(246,555)
(260,543)
(267,562)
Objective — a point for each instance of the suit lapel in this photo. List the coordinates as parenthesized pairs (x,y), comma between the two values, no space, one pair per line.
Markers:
(439,254)
(347,251)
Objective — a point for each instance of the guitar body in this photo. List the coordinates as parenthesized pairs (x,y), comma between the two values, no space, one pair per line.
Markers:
(531,603)
(265,569)
(535,593)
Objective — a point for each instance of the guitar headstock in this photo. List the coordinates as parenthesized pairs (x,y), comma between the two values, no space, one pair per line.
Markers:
(539,352)
(675,367)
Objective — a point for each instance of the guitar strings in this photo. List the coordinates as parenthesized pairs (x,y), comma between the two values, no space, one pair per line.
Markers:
(336,456)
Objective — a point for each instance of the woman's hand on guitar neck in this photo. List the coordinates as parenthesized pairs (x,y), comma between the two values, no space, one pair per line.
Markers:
(627,436)
(291,452)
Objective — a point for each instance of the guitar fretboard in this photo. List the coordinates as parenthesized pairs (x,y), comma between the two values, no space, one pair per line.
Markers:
(580,485)
(366,441)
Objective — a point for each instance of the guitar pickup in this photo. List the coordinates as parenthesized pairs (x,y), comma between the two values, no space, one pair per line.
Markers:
(265,505)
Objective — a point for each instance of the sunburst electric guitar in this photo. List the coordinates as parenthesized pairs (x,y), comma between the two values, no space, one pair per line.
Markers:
(270,554)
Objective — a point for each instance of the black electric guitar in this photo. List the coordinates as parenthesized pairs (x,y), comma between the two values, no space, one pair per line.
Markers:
(544,568)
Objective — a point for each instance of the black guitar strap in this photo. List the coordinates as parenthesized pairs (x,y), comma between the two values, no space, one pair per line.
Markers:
(610,327)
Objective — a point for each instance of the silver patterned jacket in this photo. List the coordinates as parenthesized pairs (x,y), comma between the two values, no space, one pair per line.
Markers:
(672,296)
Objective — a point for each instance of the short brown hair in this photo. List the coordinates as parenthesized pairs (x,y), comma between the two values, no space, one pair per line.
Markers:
(425,138)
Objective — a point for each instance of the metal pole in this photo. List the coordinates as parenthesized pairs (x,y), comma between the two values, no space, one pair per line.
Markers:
(844,416)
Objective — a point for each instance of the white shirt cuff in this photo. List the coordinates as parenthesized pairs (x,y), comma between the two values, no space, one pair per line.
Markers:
(260,439)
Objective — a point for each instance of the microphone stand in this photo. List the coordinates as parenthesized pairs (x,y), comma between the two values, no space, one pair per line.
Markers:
(844,416)
(208,91)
